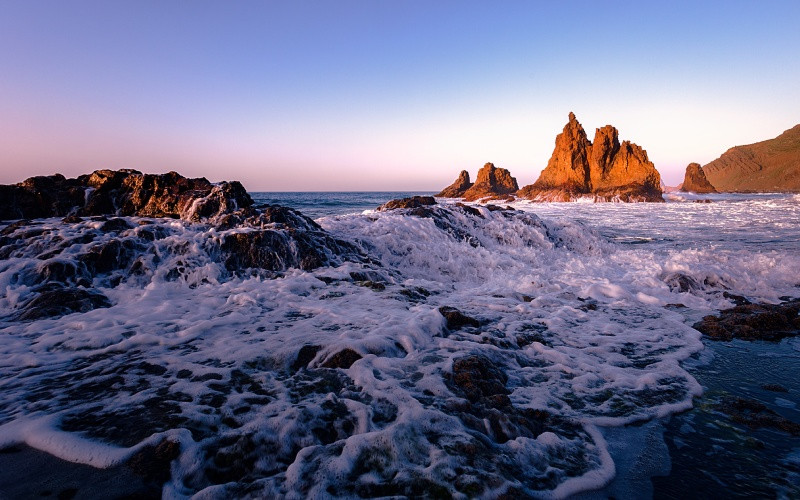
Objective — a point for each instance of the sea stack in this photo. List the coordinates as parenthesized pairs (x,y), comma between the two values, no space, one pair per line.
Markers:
(458,188)
(493,183)
(695,180)
(605,169)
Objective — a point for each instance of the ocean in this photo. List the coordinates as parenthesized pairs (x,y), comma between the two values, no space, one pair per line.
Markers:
(578,374)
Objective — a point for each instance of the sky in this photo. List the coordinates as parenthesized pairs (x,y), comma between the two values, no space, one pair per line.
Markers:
(383,95)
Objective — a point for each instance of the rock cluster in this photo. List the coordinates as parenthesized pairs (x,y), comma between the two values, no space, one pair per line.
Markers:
(605,169)
(492,183)
(695,180)
(121,192)
(753,322)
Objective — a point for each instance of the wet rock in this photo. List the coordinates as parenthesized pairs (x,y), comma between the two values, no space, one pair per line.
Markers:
(774,388)
(606,169)
(753,322)
(306,354)
(412,202)
(458,188)
(343,359)
(152,463)
(756,415)
(115,225)
(57,302)
(456,319)
(121,192)
(478,379)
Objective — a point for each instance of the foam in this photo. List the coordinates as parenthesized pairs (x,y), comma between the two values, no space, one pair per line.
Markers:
(572,301)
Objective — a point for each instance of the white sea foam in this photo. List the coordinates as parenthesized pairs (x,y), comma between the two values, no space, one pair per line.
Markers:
(577,305)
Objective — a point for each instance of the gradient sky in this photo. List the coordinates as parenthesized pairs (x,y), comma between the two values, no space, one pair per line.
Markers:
(379,95)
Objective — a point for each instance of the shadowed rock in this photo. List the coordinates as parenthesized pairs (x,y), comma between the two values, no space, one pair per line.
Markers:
(456,319)
(412,202)
(121,192)
(59,301)
(753,322)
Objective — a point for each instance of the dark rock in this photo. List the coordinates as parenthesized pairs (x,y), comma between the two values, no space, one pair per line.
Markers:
(476,378)
(753,322)
(121,192)
(58,302)
(342,359)
(774,388)
(755,415)
(458,188)
(152,463)
(306,354)
(413,202)
(456,319)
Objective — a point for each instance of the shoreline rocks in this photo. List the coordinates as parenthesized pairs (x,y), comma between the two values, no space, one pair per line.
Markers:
(753,322)
(121,192)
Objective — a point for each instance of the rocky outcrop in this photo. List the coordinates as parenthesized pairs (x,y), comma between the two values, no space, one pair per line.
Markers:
(121,192)
(695,180)
(412,202)
(492,183)
(768,166)
(753,322)
(458,188)
(605,169)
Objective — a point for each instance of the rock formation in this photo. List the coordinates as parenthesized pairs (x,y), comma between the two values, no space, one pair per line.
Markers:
(458,188)
(121,192)
(493,183)
(605,169)
(695,180)
(768,166)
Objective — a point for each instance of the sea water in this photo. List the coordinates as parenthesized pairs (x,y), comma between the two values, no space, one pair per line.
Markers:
(587,309)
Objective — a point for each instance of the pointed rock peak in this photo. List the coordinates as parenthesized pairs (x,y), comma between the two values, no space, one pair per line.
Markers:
(458,188)
(608,134)
(572,117)
(463,177)
(695,180)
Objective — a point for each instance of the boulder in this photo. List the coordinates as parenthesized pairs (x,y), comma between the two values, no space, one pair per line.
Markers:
(493,183)
(458,188)
(753,322)
(695,180)
(412,202)
(606,169)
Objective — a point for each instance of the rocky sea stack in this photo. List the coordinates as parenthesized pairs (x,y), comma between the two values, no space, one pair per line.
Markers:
(458,188)
(695,180)
(492,183)
(604,169)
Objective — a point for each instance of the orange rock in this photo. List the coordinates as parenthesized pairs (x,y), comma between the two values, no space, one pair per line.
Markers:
(458,188)
(606,170)
(695,180)
(492,182)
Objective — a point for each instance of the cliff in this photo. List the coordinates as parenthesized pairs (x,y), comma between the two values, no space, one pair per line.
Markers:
(604,169)
(695,180)
(768,166)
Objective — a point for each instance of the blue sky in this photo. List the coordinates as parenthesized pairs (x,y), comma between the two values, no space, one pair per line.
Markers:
(374,95)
